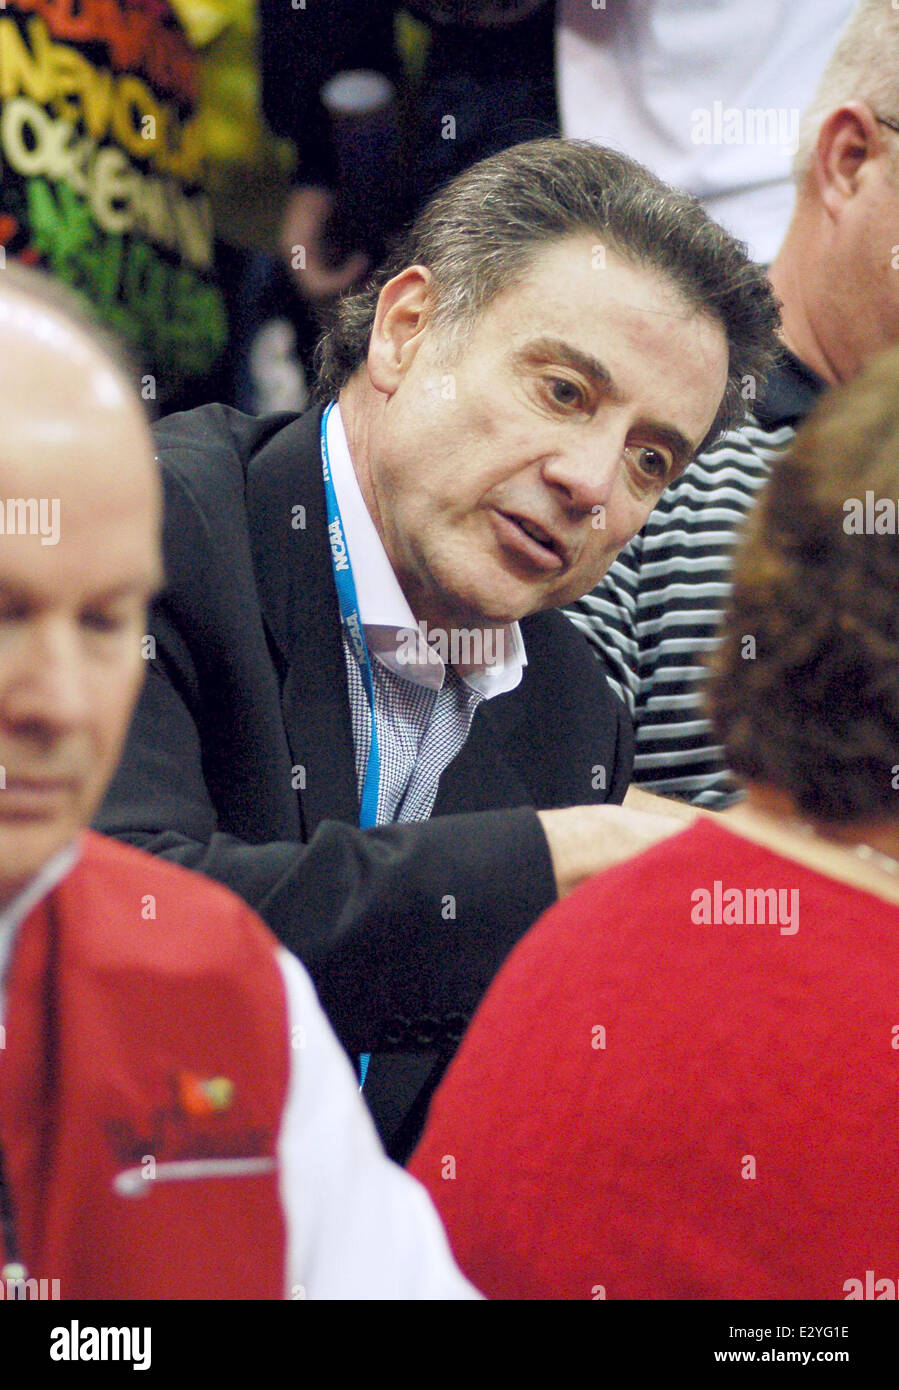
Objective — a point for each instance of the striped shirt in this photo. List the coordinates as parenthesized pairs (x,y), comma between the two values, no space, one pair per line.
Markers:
(656,613)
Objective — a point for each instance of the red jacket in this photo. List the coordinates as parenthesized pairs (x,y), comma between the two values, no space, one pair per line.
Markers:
(138,1038)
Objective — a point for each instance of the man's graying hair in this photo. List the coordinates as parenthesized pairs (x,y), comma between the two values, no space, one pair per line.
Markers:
(864,66)
(479,235)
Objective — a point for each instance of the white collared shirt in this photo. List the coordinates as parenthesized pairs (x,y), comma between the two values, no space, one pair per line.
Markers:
(424,706)
(12,916)
(389,623)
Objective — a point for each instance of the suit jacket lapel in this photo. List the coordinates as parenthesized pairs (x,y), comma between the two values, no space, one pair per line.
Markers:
(482,777)
(292,562)
(496,767)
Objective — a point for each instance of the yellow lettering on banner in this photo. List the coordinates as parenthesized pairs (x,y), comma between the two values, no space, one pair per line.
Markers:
(186,159)
(58,76)
(71,76)
(131,102)
(19,72)
(122,197)
(95,92)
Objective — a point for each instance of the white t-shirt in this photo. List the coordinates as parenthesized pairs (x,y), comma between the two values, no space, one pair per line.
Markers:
(707,93)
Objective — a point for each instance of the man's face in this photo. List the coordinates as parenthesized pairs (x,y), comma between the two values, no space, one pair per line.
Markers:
(506,478)
(837,272)
(71,610)
(866,322)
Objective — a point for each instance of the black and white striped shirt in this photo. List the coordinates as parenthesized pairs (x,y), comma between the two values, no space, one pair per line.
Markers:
(657,611)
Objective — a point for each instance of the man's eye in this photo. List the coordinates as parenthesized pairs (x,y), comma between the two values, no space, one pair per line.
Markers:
(565,392)
(652,463)
(102,622)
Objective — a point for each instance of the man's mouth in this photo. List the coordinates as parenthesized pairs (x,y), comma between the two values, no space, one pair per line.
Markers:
(23,798)
(530,541)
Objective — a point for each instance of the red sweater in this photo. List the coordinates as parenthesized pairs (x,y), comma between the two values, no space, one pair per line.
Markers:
(146,1026)
(658,1099)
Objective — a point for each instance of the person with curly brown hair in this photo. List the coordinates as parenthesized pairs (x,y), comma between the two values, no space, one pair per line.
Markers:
(680,1084)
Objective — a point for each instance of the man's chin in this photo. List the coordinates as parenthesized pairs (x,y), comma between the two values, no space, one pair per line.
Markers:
(473,612)
(500,604)
(25,847)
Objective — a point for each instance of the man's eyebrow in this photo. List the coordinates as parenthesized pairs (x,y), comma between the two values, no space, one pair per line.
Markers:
(149,584)
(567,355)
(682,450)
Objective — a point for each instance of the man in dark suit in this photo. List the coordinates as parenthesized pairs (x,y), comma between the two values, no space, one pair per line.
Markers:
(512,395)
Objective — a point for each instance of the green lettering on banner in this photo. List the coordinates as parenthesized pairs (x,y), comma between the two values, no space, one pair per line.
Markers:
(202,330)
(144,279)
(166,310)
(100,268)
(60,227)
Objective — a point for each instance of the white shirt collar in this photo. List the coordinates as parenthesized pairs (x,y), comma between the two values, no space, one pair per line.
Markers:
(490,664)
(13,915)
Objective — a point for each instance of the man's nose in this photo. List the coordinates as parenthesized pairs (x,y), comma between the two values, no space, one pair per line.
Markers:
(42,676)
(586,469)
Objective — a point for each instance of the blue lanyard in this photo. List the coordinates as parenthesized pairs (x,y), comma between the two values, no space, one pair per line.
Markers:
(351,619)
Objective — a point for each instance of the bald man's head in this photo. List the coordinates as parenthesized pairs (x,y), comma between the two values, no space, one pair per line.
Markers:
(80,517)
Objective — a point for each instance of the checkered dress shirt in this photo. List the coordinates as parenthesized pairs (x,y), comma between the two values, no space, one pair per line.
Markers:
(420,731)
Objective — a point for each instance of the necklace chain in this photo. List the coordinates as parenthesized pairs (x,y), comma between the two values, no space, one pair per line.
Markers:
(867,853)
(877,858)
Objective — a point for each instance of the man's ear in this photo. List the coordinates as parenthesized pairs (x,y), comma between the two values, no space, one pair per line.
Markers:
(849,136)
(404,308)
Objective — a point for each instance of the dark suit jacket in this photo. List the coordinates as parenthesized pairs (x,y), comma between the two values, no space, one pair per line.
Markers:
(240,764)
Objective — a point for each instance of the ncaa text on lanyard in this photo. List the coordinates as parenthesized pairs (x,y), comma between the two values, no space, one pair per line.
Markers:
(352,621)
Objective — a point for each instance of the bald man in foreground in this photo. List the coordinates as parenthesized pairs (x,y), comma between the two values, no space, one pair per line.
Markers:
(176,1118)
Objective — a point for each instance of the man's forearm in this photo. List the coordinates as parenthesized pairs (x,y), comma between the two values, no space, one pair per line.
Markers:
(584,840)
(637,800)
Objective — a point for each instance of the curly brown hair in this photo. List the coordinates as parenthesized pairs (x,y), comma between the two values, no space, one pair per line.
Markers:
(813,710)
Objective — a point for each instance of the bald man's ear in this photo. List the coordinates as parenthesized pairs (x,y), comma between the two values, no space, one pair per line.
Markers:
(848,138)
(404,308)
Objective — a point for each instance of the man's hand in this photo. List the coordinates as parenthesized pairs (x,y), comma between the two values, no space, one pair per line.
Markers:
(637,800)
(585,839)
(302,231)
